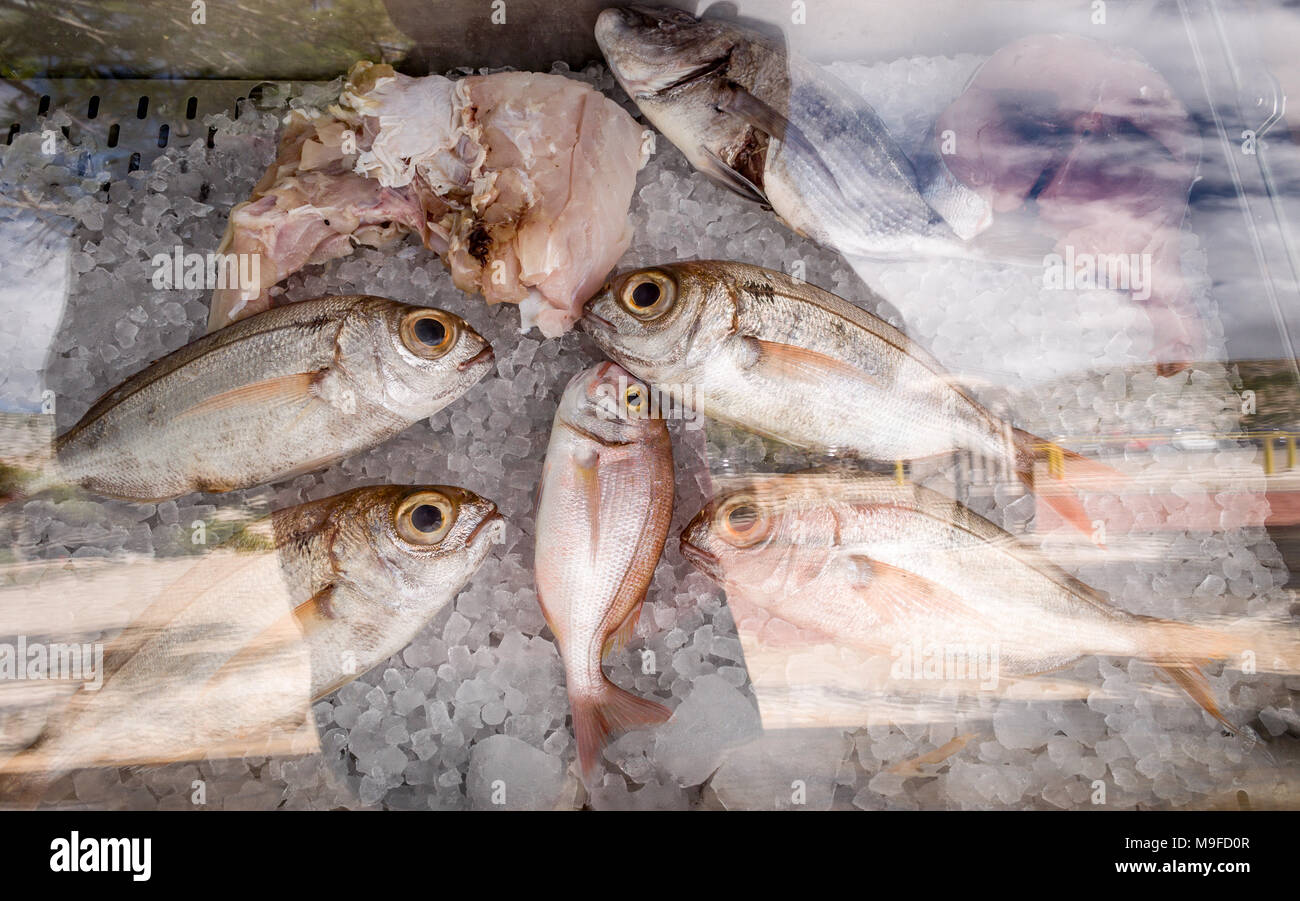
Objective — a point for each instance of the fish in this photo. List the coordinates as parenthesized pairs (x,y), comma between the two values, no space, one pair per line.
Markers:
(791,362)
(290,390)
(603,510)
(228,658)
(855,559)
(1099,146)
(520,181)
(776,129)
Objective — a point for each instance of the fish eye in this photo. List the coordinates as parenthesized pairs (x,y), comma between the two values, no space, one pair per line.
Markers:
(428,333)
(742,518)
(425,517)
(634,398)
(741,522)
(648,295)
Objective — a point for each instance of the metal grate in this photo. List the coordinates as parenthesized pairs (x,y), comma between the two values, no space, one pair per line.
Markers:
(132,121)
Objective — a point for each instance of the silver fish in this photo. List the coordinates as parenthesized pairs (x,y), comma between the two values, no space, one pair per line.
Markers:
(603,511)
(774,128)
(792,362)
(284,392)
(227,659)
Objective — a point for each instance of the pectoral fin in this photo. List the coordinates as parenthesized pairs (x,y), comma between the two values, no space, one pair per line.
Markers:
(281,391)
(902,597)
(586,475)
(777,360)
(316,612)
(714,167)
(762,116)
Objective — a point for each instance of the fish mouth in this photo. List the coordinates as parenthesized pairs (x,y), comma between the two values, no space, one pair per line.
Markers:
(494,519)
(589,318)
(483,355)
(705,561)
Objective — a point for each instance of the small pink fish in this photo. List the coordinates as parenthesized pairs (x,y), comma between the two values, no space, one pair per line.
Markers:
(603,511)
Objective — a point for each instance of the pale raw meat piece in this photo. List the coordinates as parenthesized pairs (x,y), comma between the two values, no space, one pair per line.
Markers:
(520,181)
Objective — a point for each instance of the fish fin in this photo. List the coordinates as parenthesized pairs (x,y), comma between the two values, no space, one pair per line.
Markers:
(1077,472)
(900,596)
(1192,680)
(619,638)
(316,611)
(310,615)
(729,178)
(587,471)
(281,390)
(613,710)
(789,360)
(771,121)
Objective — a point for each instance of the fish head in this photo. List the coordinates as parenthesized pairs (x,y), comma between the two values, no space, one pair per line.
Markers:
(402,544)
(654,49)
(661,321)
(608,404)
(415,359)
(763,535)
(680,71)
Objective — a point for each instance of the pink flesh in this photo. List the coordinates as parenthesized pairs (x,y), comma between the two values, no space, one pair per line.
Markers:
(561,161)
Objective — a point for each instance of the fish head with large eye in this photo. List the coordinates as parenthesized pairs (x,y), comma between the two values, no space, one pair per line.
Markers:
(654,50)
(426,357)
(643,319)
(440,521)
(724,538)
(605,403)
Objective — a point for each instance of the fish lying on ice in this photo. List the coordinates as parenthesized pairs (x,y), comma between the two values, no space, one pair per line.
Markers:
(858,560)
(228,659)
(774,128)
(520,181)
(290,390)
(792,362)
(1100,146)
(603,510)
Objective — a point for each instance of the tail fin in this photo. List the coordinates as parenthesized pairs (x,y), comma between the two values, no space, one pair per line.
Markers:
(595,719)
(1074,472)
(26,454)
(1181,649)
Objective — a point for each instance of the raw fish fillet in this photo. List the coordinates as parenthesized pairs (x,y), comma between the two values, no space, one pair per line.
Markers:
(520,181)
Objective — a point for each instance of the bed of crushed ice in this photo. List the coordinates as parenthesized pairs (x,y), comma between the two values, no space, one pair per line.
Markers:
(479,695)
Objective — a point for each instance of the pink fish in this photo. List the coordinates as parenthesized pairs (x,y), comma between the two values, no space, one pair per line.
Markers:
(603,511)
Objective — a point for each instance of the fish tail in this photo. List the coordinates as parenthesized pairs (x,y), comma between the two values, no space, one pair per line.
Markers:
(1248,645)
(1072,473)
(1182,649)
(613,710)
(26,455)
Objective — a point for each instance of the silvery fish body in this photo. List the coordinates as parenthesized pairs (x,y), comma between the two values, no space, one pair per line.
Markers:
(227,659)
(603,511)
(289,390)
(775,128)
(788,360)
